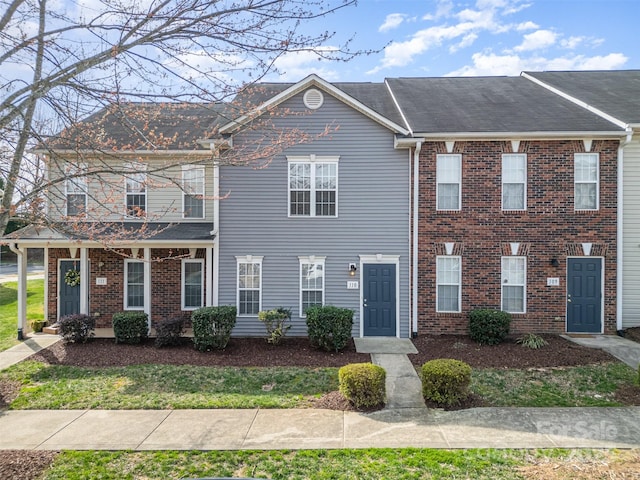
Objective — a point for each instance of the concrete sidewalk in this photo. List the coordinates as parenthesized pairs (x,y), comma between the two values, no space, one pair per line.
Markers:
(22,351)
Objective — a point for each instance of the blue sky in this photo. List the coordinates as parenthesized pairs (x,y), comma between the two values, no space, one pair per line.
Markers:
(477,37)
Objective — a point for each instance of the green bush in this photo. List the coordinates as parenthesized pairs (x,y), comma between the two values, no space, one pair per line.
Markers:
(212,327)
(169,332)
(329,327)
(363,384)
(130,327)
(489,327)
(533,341)
(274,321)
(77,328)
(445,381)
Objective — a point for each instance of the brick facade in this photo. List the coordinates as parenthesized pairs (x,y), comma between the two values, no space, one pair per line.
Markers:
(482,232)
(105,300)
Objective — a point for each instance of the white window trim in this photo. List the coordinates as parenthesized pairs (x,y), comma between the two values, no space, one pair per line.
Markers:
(183,284)
(135,167)
(311,159)
(524,285)
(248,259)
(190,167)
(71,169)
(458,284)
(524,182)
(596,181)
(126,284)
(458,157)
(312,259)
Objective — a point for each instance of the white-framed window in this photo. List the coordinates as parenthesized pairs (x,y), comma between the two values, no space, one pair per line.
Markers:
(311,282)
(514,284)
(193,191)
(192,283)
(133,284)
(449,181)
(75,187)
(313,186)
(135,188)
(249,293)
(514,181)
(587,181)
(448,283)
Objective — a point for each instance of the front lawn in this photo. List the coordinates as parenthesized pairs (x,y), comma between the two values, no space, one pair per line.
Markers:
(9,309)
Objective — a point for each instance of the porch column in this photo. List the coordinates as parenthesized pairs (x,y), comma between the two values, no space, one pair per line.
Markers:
(147,283)
(21,254)
(209,281)
(46,284)
(84,281)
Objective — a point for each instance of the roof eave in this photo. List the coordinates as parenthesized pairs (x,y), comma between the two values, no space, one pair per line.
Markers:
(539,135)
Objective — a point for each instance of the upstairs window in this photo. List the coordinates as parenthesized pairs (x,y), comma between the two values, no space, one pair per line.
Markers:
(514,182)
(586,187)
(135,185)
(76,190)
(313,186)
(514,284)
(249,285)
(193,191)
(449,179)
(311,283)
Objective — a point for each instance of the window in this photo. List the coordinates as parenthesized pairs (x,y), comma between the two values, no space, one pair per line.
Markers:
(134,285)
(193,191)
(586,181)
(135,185)
(448,281)
(448,178)
(311,283)
(313,186)
(76,190)
(192,284)
(514,182)
(514,281)
(249,285)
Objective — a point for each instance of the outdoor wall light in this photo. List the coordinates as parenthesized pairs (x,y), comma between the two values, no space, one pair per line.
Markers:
(555,262)
(352,269)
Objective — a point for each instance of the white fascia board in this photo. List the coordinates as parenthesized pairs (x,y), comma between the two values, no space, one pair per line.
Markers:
(395,102)
(316,81)
(577,101)
(123,153)
(40,243)
(407,142)
(615,135)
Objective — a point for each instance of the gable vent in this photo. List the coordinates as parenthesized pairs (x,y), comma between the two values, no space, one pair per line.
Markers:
(313,99)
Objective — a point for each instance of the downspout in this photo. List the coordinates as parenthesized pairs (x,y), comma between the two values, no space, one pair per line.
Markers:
(620,230)
(414,270)
(22,288)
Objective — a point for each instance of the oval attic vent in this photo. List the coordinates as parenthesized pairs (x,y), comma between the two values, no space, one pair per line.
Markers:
(313,99)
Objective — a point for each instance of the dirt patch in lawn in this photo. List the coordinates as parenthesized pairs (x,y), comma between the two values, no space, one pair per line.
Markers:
(24,464)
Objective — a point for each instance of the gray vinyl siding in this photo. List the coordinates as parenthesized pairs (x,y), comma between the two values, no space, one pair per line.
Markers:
(373,217)
(631,236)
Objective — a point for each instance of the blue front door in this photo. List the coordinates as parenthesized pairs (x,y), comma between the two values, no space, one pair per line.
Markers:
(69,297)
(584,295)
(379,300)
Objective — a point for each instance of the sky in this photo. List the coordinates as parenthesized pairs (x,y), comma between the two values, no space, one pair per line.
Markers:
(436,38)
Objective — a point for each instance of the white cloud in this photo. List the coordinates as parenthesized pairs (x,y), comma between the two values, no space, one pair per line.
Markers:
(537,40)
(466,41)
(392,21)
(297,65)
(528,25)
(443,9)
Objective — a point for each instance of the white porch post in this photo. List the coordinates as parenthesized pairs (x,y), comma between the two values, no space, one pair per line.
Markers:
(209,281)
(46,284)
(84,281)
(21,255)
(147,283)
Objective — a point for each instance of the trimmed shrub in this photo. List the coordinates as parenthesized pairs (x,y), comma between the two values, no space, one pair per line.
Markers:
(533,341)
(274,321)
(130,327)
(489,327)
(212,327)
(77,328)
(446,381)
(329,327)
(169,332)
(363,384)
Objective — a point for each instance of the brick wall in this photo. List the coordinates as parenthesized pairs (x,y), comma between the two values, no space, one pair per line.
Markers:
(481,231)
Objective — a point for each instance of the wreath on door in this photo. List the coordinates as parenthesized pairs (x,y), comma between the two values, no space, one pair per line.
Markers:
(72,278)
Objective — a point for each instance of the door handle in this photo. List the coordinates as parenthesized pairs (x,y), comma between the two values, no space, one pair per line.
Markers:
(364,302)
(569,298)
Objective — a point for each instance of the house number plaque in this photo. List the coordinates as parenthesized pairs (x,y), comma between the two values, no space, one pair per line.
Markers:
(352,285)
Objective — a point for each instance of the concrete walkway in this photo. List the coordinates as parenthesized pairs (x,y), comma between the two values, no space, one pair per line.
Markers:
(626,351)
(22,351)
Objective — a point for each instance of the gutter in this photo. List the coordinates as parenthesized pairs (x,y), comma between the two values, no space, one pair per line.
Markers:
(416,218)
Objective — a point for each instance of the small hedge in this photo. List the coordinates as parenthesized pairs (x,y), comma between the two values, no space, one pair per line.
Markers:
(275,322)
(363,384)
(130,327)
(489,327)
(169,332)
(329,327)
(446,381)
(77,328)
(212,327)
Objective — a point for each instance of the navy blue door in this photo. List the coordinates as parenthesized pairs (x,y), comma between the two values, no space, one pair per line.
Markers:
(69,297)
(379,298)
(584,295)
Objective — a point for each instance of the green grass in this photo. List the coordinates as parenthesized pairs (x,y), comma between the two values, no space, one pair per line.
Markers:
(9,309)
(397,464)
(166,386)
(584,386)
